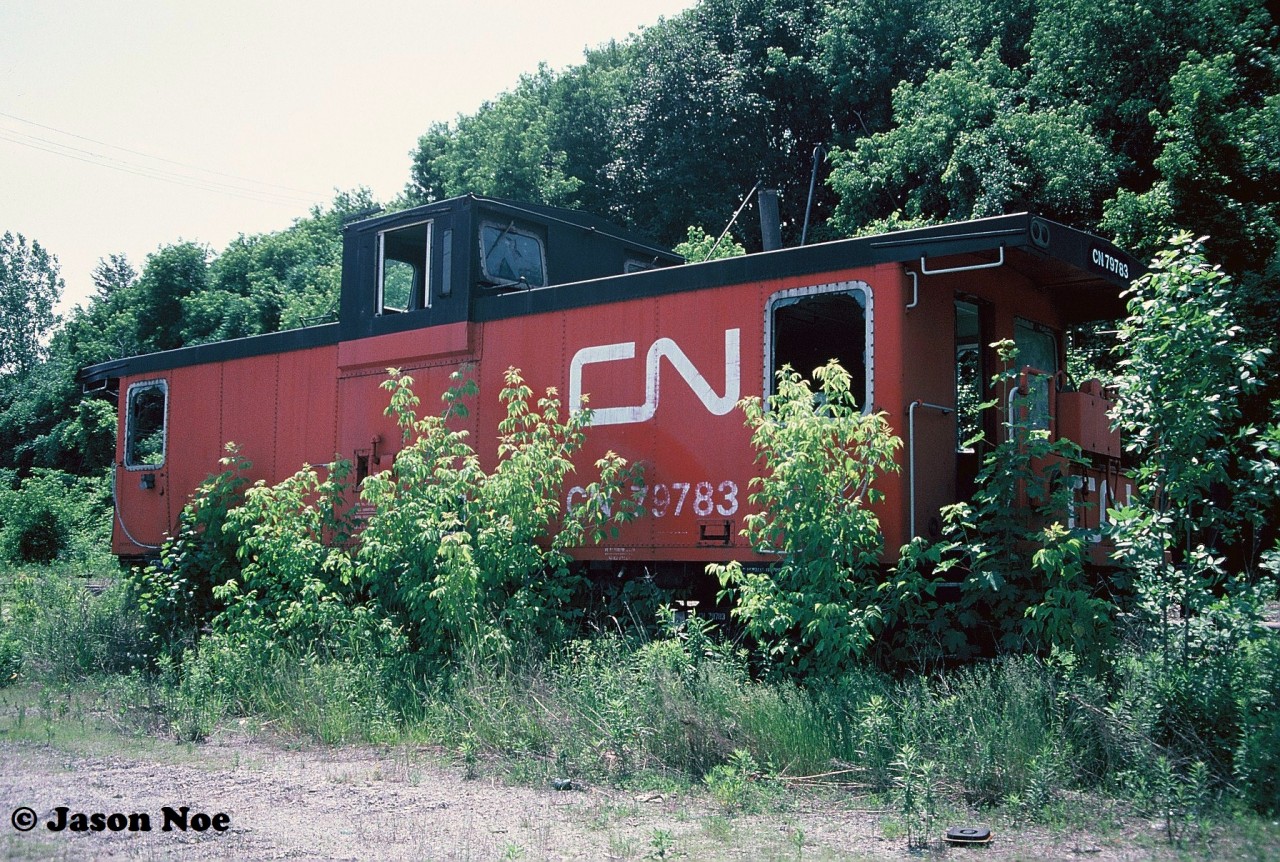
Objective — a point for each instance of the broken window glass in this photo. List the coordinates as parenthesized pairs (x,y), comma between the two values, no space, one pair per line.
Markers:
(512,256)
(404,261)
(145,424)
(811,326)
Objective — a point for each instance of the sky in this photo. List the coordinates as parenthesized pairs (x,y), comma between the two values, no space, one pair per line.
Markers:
(128,126)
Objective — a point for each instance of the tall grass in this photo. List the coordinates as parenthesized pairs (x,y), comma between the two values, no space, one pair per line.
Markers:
(1018,731)
(54,628)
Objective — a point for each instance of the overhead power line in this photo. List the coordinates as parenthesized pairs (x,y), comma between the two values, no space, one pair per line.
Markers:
(212,181)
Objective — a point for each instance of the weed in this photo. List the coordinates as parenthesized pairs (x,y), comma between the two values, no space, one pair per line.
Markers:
(798,841)
(718,828)
(623,846)
(469,751)
(734,784)
(915,785)
(662,844)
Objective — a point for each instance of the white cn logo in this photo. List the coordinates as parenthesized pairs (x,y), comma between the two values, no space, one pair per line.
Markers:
(718,405)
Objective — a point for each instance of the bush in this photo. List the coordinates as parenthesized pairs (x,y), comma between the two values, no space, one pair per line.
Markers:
(53,629)
(468,560)
(53,515)
(175,595)
(453,560)
(817,610)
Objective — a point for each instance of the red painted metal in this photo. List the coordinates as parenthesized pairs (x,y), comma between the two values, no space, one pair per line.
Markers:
(660,371)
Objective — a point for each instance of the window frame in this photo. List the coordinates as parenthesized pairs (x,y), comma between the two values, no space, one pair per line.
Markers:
(130,419)
(512,227)
(789,297)
(380,308)
(1035,417)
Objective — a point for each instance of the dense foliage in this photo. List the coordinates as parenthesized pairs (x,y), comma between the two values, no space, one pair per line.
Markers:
(453,560)
(29,288)
(817,611)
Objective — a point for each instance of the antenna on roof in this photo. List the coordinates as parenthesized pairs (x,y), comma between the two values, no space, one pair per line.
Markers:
(818,154)
(746,200)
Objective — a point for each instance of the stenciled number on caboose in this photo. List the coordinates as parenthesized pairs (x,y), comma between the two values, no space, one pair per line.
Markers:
(718,405)
(672,498)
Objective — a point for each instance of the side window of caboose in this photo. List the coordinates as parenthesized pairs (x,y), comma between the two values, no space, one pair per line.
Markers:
(145,418)
(970,376)
(810,326)
(512,256)
(404,267)
(1037,348)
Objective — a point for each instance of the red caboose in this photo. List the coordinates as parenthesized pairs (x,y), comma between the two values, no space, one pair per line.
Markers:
(665,352)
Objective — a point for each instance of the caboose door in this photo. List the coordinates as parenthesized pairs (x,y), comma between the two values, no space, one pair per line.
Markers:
(142,475)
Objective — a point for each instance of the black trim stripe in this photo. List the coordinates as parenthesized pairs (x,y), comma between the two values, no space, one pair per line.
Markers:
(1064,264)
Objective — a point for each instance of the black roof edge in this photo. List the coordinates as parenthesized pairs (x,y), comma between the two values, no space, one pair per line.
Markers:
(1072,246)
(563,215)
(216,351)
(1068,244)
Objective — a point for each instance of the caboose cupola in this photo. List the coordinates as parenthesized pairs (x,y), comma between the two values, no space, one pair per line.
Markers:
(427,265)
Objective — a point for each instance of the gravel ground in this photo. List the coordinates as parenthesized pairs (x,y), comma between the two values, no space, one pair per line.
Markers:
(284,801)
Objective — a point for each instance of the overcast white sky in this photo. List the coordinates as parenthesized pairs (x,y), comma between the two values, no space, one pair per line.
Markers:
(127,126)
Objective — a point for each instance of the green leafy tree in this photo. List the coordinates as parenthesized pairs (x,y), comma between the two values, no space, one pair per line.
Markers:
(45,420)
(1116,60)
(272,281)
(701,246)
(472,562)
(426,175)
(170,275)
(504,149)
(966,143)
(816,611)
(719,97)
(1217,167)
(29,289)
(585,108)
(866,49)
(1184,374)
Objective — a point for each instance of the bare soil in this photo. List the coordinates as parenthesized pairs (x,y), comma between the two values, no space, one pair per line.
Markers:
(285,800)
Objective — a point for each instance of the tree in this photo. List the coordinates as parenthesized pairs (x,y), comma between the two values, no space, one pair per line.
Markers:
(719,97)
(816,610)
(701,246)
(29,288)
(867,48)
(426,184)
(1184,374)
(170,274)
(1218,166)
(967,143)
(505,149)
(111,274)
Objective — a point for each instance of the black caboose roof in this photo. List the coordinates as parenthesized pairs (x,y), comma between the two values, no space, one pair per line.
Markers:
(587,259)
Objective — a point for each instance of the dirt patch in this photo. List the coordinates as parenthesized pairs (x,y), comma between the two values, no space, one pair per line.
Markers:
(286,802)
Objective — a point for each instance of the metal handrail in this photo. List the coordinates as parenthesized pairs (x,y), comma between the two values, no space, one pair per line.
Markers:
(911,452)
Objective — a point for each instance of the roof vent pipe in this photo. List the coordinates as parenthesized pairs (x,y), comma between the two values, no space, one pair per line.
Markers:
(770,223)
